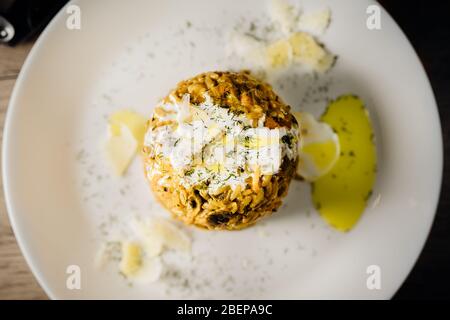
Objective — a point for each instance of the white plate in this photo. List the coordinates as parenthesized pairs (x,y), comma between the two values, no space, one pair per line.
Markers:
(59,190)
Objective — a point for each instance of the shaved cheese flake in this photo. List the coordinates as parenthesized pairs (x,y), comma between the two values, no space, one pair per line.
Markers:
(284,14)
(173,237)
(308,51)
(101,258)
(131,258)
(133,121)
(247,47)
(280,54)
(319,147)
(326,62)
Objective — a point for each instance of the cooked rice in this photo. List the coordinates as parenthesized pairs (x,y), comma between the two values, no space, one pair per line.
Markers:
(226,208)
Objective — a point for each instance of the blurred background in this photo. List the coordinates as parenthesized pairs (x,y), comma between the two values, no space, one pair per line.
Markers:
(425,23)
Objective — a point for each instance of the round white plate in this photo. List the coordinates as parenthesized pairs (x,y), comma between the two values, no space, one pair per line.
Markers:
(63,201)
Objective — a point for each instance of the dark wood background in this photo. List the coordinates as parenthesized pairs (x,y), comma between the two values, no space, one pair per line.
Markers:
(427,25)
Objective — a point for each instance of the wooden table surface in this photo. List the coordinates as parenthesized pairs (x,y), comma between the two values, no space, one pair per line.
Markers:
(16,280)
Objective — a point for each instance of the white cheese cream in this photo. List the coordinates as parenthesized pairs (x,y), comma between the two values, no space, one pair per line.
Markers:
(209,145)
